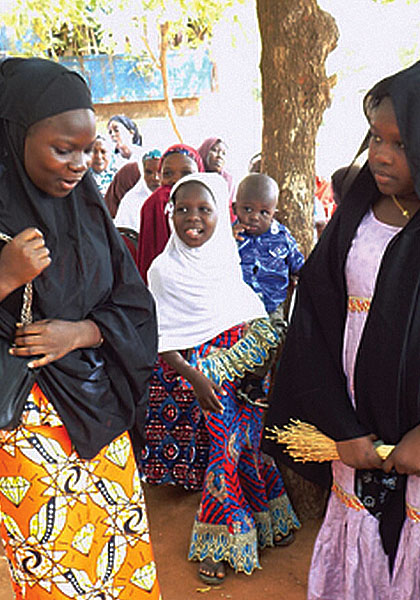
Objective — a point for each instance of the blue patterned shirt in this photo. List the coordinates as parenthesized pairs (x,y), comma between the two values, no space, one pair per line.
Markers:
(267,262)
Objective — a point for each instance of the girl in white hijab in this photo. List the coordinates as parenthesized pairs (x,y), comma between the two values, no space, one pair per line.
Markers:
(213,330)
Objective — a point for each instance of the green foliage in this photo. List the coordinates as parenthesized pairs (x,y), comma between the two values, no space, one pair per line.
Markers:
(45,28)
(79,27)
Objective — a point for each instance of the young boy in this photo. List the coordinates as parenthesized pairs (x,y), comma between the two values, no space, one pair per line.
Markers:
(269,257)
(268,251)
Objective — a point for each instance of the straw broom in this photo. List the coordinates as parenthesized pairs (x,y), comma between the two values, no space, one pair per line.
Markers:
(304,443)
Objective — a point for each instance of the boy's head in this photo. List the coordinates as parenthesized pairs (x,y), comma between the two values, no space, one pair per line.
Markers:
(256,203)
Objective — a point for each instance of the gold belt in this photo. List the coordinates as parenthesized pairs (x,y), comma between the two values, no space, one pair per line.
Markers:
(358,304)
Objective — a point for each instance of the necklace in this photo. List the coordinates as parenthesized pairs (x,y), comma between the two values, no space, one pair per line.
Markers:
(405,213)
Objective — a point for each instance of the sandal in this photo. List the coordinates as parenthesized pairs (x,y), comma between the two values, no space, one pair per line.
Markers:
(211,572)
(285,540)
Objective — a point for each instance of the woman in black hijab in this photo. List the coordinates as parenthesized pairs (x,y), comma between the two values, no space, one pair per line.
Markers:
(351,361)
(74,522)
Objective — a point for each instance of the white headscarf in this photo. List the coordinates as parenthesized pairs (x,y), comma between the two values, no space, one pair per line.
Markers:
(200,292)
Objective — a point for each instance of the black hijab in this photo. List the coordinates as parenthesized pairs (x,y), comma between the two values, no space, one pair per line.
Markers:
(99,393)
(311,384)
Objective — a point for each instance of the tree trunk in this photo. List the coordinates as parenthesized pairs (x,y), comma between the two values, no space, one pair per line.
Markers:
(297,37)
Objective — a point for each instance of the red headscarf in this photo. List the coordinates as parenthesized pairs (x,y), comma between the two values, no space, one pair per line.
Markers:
(154,224)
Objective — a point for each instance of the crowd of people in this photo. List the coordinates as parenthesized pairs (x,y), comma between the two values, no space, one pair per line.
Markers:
(161,345)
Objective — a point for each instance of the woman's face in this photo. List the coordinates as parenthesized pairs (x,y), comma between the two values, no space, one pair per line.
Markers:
(101,155)
(387,158)
(175,166)
(120,135)
(216,157)
(58,151)
(151,173)
(195,215)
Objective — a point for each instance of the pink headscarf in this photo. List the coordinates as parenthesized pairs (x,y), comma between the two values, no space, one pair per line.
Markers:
(204,150)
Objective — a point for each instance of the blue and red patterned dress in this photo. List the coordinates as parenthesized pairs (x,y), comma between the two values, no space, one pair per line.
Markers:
(244,504)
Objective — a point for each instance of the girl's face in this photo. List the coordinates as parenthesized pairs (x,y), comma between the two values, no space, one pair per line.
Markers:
(151,173)
(101,155)
(387,158)
(175,166)
(120,135)
(216,157)
(58,151)
(195,215)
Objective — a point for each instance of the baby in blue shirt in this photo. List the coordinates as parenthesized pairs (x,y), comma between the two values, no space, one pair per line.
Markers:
(268,251)
(269,257)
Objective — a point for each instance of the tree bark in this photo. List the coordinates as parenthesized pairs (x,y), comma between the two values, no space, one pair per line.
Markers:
(297,37)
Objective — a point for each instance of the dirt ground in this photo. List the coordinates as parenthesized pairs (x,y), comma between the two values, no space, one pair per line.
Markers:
(171,514)
(284,570)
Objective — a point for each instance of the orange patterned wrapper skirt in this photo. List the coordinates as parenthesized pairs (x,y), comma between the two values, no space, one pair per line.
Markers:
(72,528)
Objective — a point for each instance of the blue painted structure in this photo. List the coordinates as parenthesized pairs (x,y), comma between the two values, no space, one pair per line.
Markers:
(126,79)
(121,78)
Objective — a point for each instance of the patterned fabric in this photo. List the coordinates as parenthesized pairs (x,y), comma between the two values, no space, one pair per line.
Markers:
(267,262)
(72,528)
(177,441)
(358,304)
(244,503)
(228,360)
(349,500)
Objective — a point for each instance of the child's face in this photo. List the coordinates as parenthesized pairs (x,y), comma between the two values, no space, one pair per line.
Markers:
(387,158)
(151,173)
(101,155)
(195,215)
(175,166)
(255,214)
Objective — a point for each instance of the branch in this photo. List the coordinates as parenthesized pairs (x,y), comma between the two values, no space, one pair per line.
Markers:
(145,40)
(164,28)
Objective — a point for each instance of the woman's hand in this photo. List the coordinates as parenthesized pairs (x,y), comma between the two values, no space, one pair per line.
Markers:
(53,339)
(22,259)
(360,453)
(206,393)
(405,457)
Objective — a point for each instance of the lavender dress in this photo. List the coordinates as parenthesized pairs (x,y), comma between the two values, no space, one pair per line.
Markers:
(348,561)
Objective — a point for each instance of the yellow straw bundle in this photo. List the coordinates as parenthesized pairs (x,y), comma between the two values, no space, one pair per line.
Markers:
(304,442)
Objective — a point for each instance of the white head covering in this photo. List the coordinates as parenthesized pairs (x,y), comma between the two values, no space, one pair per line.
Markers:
(200,292)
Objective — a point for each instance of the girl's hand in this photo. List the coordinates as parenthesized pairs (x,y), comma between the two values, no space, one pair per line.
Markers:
(53,339)
(206,393)
(360,453)
(405,457)
(22,259)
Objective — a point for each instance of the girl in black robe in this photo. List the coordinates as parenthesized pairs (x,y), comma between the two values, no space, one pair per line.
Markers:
(73,516)
(351,361)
